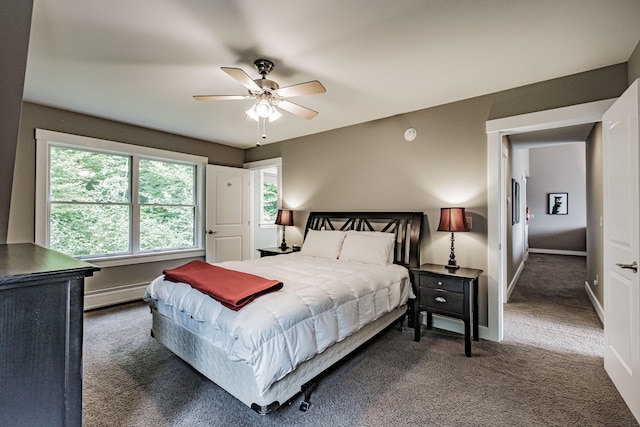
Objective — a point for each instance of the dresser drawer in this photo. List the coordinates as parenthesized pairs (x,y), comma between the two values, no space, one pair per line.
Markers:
(453,284)
(434,299)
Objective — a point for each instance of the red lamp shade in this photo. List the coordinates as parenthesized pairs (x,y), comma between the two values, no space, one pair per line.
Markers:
(453,219)
(284,217)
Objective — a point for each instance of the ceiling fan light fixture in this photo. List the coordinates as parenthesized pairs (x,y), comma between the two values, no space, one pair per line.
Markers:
(275,115)
(263,110)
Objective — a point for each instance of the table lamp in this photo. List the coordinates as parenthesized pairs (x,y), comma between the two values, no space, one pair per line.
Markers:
(284,218)
(452,220)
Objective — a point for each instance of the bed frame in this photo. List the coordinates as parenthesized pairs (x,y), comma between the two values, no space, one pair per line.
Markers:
(406,226)
(237,377)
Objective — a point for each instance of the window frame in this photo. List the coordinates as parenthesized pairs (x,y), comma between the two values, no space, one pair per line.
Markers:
(46,138)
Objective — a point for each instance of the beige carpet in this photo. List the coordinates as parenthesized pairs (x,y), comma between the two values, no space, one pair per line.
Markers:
(547,372)
(549,307)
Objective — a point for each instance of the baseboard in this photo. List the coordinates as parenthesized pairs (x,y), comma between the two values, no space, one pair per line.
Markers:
(453,325)
(557,252)
(594,302)
(112,296)
(512,284)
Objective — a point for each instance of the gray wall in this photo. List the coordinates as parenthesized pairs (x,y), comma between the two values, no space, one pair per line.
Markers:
(516,232)
(595,204)
(15,23)
(370,167)
(508,173)
(558,169)
(21,218)
(634,65)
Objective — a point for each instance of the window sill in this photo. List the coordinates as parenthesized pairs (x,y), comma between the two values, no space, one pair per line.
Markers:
(115,261)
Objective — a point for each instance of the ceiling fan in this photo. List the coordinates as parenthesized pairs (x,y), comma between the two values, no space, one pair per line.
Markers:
(268,93)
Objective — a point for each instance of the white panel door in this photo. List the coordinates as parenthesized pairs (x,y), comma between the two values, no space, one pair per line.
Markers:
(227,214)
(621,242)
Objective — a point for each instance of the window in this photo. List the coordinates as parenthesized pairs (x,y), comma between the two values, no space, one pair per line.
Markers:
(268,195)
(89,202)
(102,200)
(167,200)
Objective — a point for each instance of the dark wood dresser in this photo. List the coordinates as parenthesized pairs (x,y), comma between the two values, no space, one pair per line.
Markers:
(41,314)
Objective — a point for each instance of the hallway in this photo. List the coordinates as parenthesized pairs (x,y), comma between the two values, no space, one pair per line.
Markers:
(549,307)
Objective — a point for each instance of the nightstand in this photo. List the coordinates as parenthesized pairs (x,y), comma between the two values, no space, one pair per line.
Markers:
(274,251)
(452,293)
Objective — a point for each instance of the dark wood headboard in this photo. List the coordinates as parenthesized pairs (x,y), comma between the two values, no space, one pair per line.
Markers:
(406,226)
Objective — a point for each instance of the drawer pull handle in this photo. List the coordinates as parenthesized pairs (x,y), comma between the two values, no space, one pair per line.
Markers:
(439,283)
(440,299)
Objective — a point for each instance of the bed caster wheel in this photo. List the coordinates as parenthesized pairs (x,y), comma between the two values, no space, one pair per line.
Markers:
(304,406)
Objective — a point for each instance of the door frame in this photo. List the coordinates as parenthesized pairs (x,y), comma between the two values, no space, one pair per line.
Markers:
(497,198)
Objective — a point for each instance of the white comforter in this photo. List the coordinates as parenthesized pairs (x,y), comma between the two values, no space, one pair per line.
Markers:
(322,302)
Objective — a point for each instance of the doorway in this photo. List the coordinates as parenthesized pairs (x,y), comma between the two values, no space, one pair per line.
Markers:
(266,198)
(497,216)
(556,161)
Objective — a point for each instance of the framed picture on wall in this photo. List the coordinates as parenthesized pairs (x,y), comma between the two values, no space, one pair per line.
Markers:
(558,203)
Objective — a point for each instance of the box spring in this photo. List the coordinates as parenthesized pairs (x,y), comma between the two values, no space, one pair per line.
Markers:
(237,377)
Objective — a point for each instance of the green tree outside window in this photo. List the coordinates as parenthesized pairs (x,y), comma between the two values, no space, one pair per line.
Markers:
(92,205)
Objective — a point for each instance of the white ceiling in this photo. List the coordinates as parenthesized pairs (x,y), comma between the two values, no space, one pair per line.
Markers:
(141,61)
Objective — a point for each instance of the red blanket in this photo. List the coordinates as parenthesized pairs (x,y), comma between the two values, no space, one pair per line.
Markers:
(233,289)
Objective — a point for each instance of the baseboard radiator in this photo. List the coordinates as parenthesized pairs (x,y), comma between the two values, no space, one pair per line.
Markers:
(115,295)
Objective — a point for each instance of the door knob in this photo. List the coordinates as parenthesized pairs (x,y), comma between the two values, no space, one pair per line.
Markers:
(633,266)
(211,232)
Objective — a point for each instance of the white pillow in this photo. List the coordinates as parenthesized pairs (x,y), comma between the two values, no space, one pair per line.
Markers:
(368,247)
(323,244)
(385,235)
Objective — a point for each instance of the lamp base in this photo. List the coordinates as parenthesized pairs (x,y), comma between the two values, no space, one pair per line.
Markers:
(283,245)
(452,266)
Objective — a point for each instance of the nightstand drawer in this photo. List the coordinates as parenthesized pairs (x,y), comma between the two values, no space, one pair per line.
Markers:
(452,284)
(451,302)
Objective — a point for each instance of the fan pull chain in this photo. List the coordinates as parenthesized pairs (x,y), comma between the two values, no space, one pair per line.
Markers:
(258,134)
(262,130)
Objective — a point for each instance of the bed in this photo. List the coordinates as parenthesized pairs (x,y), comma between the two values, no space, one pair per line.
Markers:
(349,282)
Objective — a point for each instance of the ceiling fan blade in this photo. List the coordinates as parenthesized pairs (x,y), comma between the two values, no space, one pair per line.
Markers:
(243,78)
(296,109)
(219,97)
(308,88)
